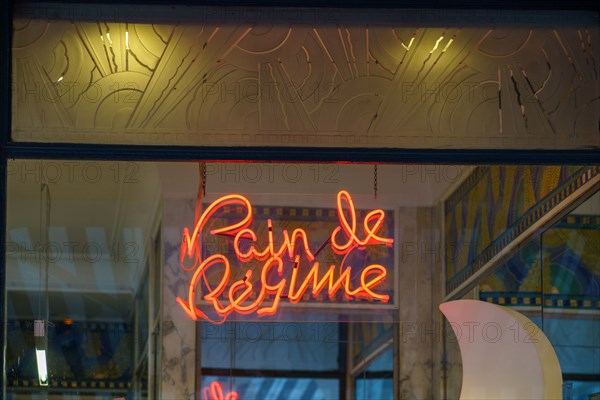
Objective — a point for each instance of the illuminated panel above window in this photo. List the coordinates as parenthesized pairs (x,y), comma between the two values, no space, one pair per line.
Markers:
(297,77)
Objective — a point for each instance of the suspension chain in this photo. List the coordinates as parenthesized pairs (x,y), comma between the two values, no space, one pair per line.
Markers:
(203,179)
(375,181)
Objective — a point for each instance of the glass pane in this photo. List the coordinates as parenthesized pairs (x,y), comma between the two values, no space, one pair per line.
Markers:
(99,241)
(571,259)
(76,255)
(375,389)
(271,346)
(517,282)
(562,260)
(581,390)
(376,382)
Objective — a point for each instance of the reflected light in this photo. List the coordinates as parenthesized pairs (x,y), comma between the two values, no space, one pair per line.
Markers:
(412,39)
(215,392)
(447,45)
(436,44)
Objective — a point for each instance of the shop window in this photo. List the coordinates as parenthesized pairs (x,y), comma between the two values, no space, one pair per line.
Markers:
(94,250)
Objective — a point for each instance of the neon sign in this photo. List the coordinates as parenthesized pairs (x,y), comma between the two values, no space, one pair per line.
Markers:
(214,391)
(248,295)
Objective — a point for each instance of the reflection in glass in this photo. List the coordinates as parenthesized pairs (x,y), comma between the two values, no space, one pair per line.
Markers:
(555,281)
(75,257)
(571,257)
(376,381)
(277,388)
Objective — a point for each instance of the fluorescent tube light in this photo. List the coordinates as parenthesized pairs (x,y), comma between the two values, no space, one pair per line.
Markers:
(42,367)
(41,344)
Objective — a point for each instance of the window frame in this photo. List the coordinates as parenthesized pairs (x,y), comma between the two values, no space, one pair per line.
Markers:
(10,149)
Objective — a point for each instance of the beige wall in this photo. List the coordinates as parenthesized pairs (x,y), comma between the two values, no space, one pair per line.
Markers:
(342,78)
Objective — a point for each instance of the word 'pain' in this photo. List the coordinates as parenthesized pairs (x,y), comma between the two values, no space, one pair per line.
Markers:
(240,295)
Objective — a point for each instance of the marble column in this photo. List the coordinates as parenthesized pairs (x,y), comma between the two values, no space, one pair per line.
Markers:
(452,358)
(178,330)
(438,282)
(419,330)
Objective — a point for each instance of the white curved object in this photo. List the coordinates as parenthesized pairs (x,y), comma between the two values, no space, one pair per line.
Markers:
(504,354)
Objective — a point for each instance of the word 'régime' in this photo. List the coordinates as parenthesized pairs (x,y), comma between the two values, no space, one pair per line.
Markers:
(243,298)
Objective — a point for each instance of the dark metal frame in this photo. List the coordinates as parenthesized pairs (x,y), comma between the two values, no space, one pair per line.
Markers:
(581,377)
(296,154)
(10,149)
(226,372)
(390,4)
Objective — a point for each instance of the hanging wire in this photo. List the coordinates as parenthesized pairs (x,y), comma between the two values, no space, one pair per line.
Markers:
(46,249)
(45,206)
(199,198)
(40,242)
(204,179)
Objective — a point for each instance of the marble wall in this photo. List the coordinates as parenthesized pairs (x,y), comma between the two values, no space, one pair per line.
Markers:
(178,330)
(419,330)
(437,296)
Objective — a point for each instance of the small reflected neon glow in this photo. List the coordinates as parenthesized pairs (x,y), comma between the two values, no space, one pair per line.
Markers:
(241,296)
(214,391)
(407,48)
(437,44)
(447,45)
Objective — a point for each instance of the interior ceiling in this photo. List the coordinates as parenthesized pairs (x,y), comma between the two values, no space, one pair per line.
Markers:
(343,78)
(316,185)
(102,214)
(101,218)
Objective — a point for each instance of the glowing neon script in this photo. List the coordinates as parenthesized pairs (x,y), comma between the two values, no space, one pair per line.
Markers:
(241,296)
(214,391)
